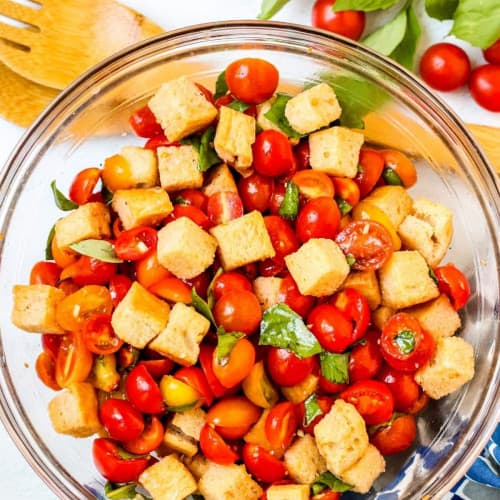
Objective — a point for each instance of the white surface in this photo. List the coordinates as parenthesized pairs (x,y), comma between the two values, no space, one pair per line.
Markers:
(16,478)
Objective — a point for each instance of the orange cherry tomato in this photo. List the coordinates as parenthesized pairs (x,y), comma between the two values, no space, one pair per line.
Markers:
(149,440)
(172,289)
(371,166)
(99,336)
(117,173)
(62,256)
(402,165)
(281,424)
(240,361)
(346,189)
(215,448)
(74,361)
(45,367)
(313,184)
(238,311)
(45,273)
(83,185)
(89,271)
(206,359)
(149,271)
(396,437)
(194,377)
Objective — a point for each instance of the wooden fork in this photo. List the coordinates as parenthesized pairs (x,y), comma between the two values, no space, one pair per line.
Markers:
(60,39)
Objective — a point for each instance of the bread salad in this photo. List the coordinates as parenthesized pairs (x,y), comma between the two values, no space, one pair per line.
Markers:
(249,306)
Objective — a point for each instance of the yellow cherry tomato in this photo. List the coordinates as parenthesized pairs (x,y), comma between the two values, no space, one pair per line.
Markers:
(258,389)
(117,173)
(178,394)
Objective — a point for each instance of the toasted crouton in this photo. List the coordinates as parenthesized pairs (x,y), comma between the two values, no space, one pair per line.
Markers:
(34,308)
(394,201)
(363,473)
(74,411)
(219,179)
(288,492)
(300,392)
(303,461)
(366,283)
(180,340)
(197,465)
(451,367)
(181,108)
(183,431)
(268,290)
(142,166)
(178,166)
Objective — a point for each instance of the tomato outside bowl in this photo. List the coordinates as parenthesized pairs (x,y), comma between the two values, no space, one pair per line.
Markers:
(89,121)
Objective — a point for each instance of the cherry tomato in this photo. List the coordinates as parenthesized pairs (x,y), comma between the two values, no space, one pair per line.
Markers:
(289,294)
(492,53)
(193,197)
(402,165)
(330,387)
(191,212)
(74,361)
(368,242)
(143,392)
(347,190)
(206,359)
(324,402)
(327,495)
(83,185)
(99,336)
(255,191)
(215,448)
(127,356)
(272,153)
(62,256)
(372,399)
(318,218)
(144,123)
(238,311)
(281,425)
(262,465)
(149,271)
(200,283)
(365,359)
(331,327)
(122,421)
(194,377)
(178,395)
(172,289)
(45,273)
(223,207)
(117,173)
(51,343)
(371,166)
(136,243)
(112,466)
(240,361)
(484,86)
(355,306)
(148,440)
(208,95)
(405,390)
(453,283)
(348,23)
(230,281)
(119,285)
(419,404)
(159,141)
(252,80)
(158,367)
(405,345)
(89,271)
(45,367)
(286,368)
(277,197)
(282,235)
(302,154)
(313,183)
(396,437)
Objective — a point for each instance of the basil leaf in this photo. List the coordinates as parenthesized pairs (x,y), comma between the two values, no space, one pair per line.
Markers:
(477,22)
(289,207)
(225,344)
(441,9)
(48,245)
(276,115)
(372,429)
(179,200)
(312,409)
(405,340)
(344,207)
(125,455)
(120,492)
(98,249)
(183,408)
(328,480)
(365,5)
(335,367)
(238,105)
(404,53)
(433,276)
(282,327)
(391,177)
(207,155)
(389,36)
(201,306)
(221,87)
(270,7)
(60,200)
(350,260)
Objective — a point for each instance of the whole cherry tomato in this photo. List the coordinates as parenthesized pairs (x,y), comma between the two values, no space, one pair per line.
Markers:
(119,285)
(74,361)
(324,403)
(149,440)
(289,294)
(191,212)
(215,448)
(318,218)
(281,424)
(286,368)
(230,281)
(223,207)
(149,271)
(302,154)
(45,273)
(348,23)
(83,185)
(231,371)
(99,336)
(405,390)
(396,437)
(365,359)
(402,165)
(371,165)
(313,183)
(354,305)
(136,243)
(330,387)
(331,327)
(238,311)
(453,283)
(144,123)
(194,377)
(445,66)
(255,191)
(272,153)
(484,86)
(193,197)
(277,197)
(262,465)
(157,367)
(122,421)
(89,271)
(45,367)
(492,53)
(143,392)
(252,80)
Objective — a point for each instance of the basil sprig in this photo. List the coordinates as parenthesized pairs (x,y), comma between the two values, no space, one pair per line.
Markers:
(335,367)
(311,409)
(60,200)
(202,306)
(289,207)
(98,249)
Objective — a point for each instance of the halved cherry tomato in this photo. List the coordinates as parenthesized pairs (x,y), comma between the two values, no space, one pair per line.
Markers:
(371,165)
(372,399)
(191,212)
(313,183)
(258,388)
(238,311)
(289,294)
(144,123)
(366,241)
(282,235)
(122,421)
(172,289)
(62,256)
(159,141)
(206,359)
(215,448)
(223,207)
(396,437)
(405,345)
(178,395)
(331,327)
(89,271)
(262,465)
(277,197)
(281,424)
(50,343)
(346,189)
(324,403)
(112,466)
(149,271)
(318,218)
(45,367)
(453,283)
(302,154)
(117,227)
(405,390)
(45,273)
(117,173)
(365,359)
(200,283)
(255,191)
(143,392)
(136,243)
(148,440)
(83,185)
(232,371)
(272,153)
(99,336)
(419,404)
(355,306)
(402,165)
(286,368)
(158,367)
(193,197)
(74,360)
(119,285)
(230,281)
(194,377)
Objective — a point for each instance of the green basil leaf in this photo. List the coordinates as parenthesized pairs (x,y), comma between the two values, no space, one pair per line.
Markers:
(405,340)
(365,5)
(225,344)
(335,367)
(404,53)
(98,249)
(123,492)
(289,207)
(179,200)
(389,36)
(221,87)
(433,276)
(276,115)
(107,195)
(441,9)
(391,177)
(183,408)
(312,409)
(328,480)
(238,105)
(270,7)
(201,306)
(125,455)
(282,327)
(344,207)
(207,155)
(350,260)
(60,200)
(477,22)
(372,429)
(48,245)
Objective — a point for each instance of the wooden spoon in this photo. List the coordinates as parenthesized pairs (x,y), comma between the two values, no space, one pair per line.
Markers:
(61,39)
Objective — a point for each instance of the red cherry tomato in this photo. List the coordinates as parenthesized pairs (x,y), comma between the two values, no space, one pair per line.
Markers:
(327,495)
(405,345)
(445,66)
(237,366)
(157,367)
(405,390)
(45,367)
(159,141)
(318,218)
(99,336)
(252,80)
(354,305)
(195,378)
(193,197)
(453,283)
(51,343)
(136,243)
(331,327)
(148,440)
(238,311)
(286,368)
(223,207)
(302,154)
(277,197)
(371,166)
(365,360)
(200,283)
(330,387)
(396,437)
(282,236)
(492,53)
(83,185)
(122,421)
(368,242)
(255,191)
(89,271)
(119,285)
(74,361)
(289,294)
(348,23)
(230,281)
(215,448)
(324,402)
(262,465)
(281,425)
(272,153)
(372,399)
(144,123)
(45,273)
(484,86)
(206,359)
(191,212)
(143,392)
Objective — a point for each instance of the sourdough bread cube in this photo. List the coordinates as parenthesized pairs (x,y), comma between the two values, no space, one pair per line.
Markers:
(303,461)
(300,392)
(34,308)
(288,492)
(183,432)
(74,411)
(141,207)
(366,283)
(319,267)
(181,108)
(381,315)
(428,229)
(168,479)
(178,166)
(313,109)
(394,201)
(234,137)
(268,290)
(87,221)
(185,249)
(437,317)
(143,166)
(243,240)
(197,465)
(140,316)
(451,367)
(405,280)
(180,340)
(363,473)
(335,151)
(341,437)
(219,179)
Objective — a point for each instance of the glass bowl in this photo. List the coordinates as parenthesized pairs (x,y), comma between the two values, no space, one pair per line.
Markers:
(89,122)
